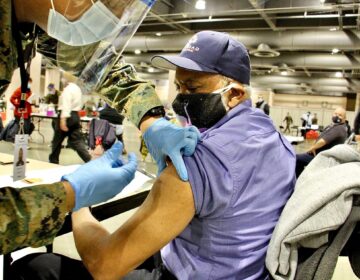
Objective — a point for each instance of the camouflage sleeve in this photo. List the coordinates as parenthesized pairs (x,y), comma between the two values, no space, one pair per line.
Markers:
(31,216)
(128,94)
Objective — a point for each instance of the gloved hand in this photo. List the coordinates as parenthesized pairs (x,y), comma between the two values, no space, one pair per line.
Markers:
(103,178)
(163,139)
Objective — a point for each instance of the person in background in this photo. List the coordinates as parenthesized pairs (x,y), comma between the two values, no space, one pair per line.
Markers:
(288,121)
(24,113)
(334,134)
(21,222)
(68,123)
(219,223)
(306,122)
(52,97)
(262,104)
(314,119)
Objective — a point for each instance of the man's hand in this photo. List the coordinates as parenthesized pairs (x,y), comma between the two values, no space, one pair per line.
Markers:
(164,139)
(63,125)
(103,178)
(318,144)
(312,152)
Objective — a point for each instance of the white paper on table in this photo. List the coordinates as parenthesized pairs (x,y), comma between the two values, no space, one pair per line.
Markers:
(141,181)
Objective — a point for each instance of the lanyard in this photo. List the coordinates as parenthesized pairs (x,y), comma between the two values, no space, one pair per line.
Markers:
(24,72)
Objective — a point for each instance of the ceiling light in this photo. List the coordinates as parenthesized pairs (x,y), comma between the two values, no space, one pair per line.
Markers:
(333,29)
(284,73)
(335,50)
(322,1)
(151,70)
(200,5)
(264,50)
(338,75)
(137,51)
(158,34)
(352,15)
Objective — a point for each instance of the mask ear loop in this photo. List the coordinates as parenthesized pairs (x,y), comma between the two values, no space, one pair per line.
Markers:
(52,4)
(224,89)
(187,114)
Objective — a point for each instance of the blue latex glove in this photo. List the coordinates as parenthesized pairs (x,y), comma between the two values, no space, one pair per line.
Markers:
(102,178)
(163,139)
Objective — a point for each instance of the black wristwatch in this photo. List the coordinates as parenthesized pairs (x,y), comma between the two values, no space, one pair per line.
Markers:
(154,112)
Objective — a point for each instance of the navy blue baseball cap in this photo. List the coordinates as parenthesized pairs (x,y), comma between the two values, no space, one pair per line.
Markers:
(210,52)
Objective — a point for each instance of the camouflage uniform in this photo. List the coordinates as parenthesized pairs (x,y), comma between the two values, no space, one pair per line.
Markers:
(30,216)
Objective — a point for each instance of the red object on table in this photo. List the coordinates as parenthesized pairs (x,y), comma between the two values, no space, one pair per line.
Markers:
(312,134)
(82,113)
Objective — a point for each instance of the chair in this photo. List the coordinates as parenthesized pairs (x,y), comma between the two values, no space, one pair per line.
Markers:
(350,139)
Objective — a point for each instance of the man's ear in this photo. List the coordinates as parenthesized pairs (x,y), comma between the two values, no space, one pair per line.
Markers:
(236,96)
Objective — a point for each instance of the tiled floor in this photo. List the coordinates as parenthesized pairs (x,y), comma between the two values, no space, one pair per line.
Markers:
(64,244)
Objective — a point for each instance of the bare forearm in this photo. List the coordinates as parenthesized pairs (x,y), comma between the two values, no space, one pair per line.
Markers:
(90,239)
(146,122)
(319,144)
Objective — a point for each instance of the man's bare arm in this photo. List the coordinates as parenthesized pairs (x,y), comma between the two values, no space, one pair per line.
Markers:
(320,143)
(165,213)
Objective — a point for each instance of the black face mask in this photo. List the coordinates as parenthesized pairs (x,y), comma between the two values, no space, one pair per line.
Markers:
(202,110)
(336,119)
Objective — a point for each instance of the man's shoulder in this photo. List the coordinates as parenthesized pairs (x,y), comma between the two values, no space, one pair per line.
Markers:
(339,127)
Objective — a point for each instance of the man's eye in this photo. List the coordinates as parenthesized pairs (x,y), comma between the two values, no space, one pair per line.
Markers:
(192,89)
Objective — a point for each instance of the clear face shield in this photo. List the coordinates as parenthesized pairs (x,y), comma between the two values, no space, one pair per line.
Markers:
(91,35)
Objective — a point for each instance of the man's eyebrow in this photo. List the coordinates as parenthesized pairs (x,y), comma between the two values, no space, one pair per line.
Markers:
(187,81)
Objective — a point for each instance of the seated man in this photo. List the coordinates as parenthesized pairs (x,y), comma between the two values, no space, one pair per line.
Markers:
(332,135)
(219,223)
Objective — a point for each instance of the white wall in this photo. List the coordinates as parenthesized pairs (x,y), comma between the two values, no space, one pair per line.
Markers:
(308,102)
